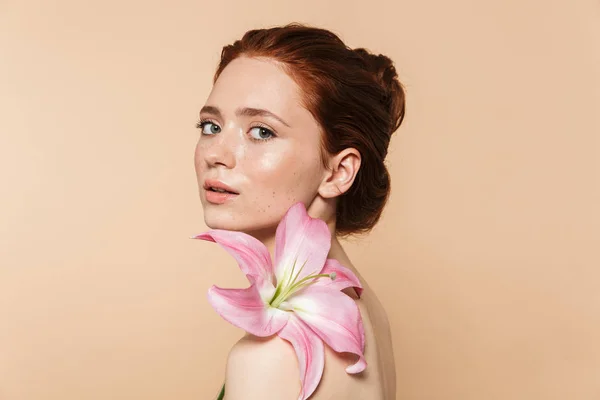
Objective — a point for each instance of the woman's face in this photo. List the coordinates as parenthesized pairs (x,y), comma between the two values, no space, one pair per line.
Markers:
(272,161)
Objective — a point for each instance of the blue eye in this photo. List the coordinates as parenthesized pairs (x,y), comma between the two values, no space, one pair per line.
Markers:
(261,131)
(202,124)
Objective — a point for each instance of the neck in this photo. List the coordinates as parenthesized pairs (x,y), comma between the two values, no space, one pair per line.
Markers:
(267,237)
(324,209)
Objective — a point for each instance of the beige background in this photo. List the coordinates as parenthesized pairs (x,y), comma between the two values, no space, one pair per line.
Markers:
(487,256)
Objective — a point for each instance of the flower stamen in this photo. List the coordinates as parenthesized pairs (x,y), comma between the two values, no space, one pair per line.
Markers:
(284,293)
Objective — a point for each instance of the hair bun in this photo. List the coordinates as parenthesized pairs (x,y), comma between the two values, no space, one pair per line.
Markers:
(384,72)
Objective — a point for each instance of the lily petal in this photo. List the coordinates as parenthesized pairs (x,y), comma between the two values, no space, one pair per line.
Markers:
(300,238)
(344,277)
(310,352)
(335,317)
(246,309)
(251,254)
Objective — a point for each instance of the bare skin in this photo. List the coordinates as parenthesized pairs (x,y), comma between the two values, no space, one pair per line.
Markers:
(271,170)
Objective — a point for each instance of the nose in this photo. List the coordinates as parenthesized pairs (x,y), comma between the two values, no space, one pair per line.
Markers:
(220,150)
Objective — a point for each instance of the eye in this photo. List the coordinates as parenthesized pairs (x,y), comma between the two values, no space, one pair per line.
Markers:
(211,131)
(263,133)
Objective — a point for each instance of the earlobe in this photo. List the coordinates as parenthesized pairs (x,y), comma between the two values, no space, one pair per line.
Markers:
(342,172)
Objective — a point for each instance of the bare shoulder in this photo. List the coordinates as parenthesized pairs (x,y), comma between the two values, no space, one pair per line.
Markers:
(261,368)
(267,368)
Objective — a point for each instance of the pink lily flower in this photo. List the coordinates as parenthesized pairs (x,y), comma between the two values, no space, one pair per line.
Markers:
(299,298)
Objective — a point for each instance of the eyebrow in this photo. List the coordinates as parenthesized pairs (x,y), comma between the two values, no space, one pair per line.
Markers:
(245,111)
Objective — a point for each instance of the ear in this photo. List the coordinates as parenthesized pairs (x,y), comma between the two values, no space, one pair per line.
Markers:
(342,171)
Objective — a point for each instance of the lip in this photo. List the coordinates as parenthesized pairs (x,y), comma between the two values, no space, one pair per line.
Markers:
(219,185)
(219,198)
(216,197)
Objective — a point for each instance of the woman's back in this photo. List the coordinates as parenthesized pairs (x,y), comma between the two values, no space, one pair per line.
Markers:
(378,380)
(378,348)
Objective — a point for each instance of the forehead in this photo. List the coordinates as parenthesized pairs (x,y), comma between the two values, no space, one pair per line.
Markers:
(258,83)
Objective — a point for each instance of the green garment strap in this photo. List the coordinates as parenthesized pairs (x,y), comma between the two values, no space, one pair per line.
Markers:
(222,394)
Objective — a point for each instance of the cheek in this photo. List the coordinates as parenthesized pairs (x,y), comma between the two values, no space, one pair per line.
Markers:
(272,168)
(198,157)
(283,175)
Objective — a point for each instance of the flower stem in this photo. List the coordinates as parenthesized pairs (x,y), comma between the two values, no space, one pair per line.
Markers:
(222,393)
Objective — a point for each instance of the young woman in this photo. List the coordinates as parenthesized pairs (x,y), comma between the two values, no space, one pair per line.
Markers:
(296,115)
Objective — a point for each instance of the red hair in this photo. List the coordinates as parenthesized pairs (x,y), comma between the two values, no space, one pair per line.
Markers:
(354,95)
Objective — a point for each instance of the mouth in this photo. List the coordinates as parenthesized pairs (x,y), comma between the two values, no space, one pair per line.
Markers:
(219,197)
(213,185)
(217,192)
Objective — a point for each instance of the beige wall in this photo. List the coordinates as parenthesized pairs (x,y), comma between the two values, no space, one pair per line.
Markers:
(487,256)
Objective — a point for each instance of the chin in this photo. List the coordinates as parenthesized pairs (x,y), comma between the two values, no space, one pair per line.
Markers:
(235,221)
(216,219)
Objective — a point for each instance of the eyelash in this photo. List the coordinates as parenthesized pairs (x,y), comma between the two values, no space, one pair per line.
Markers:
(202,123)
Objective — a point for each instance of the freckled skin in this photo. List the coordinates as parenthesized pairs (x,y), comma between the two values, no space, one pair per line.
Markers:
(269,175)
